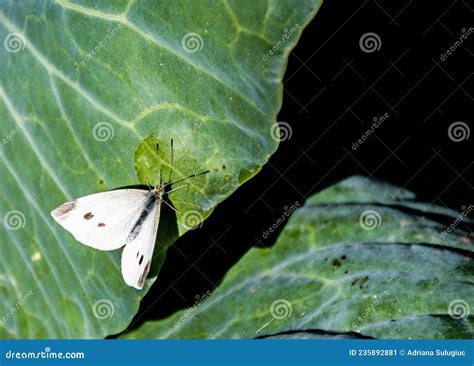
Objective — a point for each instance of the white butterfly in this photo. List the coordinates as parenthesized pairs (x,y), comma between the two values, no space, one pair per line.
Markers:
(125,217)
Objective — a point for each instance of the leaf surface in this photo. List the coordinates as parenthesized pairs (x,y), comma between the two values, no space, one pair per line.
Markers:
(359,259)
(84,84)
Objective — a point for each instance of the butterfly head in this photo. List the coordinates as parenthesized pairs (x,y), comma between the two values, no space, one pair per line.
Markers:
(166,188)
(158,191)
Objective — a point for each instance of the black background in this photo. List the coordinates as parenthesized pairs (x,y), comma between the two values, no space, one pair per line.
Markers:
(333,90)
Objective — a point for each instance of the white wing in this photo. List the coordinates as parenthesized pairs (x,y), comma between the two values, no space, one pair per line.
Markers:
(103,220)
(138,253)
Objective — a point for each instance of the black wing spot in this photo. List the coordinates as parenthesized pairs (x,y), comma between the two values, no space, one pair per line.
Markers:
(137,254)
(141,280)
(88,215)
(141,260)
(100,224)
(65,208)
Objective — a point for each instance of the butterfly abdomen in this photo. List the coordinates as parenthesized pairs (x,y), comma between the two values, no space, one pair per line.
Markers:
(136,227)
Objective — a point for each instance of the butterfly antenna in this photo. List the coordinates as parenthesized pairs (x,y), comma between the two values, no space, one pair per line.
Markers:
(148,183)
(172,158)
(177,188)
(175,210)
(188,177)
(157,151)
(174,190)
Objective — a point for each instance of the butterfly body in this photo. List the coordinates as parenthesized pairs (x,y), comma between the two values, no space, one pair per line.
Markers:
(153,198)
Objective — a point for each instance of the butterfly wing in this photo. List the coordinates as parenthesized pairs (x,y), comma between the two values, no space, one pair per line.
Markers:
(138,252)
(103,220)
